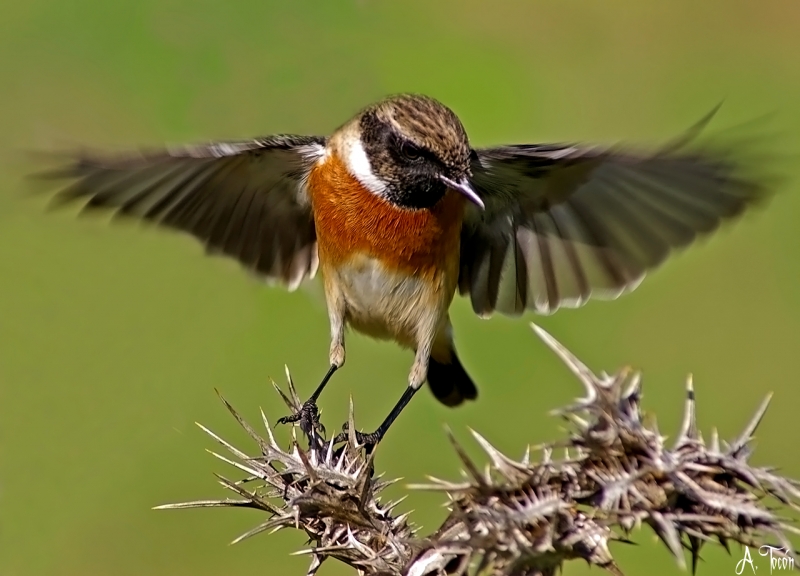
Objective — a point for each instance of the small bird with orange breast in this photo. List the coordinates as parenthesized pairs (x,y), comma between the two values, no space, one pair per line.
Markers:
(398,212)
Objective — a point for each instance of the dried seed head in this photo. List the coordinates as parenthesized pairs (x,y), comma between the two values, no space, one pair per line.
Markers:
(518,517)
(328,491)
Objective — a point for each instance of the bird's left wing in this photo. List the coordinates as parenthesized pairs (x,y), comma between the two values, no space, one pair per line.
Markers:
(564,223)
(246,200)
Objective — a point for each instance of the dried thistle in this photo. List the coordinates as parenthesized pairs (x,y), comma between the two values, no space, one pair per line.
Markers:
(518,517)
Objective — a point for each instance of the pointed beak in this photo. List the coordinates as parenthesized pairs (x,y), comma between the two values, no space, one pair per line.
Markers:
(465,188)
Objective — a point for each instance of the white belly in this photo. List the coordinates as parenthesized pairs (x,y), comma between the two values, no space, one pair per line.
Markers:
(389,305)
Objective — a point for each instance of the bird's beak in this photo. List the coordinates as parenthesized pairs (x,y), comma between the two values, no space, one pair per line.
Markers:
(465,188)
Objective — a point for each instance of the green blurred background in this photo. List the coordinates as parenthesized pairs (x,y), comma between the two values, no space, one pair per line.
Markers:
(112,339)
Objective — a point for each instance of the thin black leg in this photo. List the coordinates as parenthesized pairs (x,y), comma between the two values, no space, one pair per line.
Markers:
(325,379)
(375,437)
(308,415)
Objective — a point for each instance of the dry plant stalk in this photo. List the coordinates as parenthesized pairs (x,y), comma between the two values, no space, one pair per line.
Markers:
(524,517)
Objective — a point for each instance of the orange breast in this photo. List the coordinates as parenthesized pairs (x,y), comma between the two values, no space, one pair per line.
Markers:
(352,220)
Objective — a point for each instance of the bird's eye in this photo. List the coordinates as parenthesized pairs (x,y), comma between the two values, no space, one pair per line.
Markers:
(410,151)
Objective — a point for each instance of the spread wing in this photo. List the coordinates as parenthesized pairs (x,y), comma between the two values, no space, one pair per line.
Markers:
(566,223)
(246,200)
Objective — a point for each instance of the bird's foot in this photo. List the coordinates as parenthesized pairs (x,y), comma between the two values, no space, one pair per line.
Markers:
(369,441)
(307,418)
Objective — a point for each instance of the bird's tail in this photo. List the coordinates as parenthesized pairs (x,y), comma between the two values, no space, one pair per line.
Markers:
(449,382)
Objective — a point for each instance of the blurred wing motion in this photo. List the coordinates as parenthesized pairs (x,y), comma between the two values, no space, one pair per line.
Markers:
(246,199)
(565,223)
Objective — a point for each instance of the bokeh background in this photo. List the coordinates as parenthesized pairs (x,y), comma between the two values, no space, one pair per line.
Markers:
(112,338)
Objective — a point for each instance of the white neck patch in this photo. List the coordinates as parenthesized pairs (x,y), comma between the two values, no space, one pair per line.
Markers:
(355,158)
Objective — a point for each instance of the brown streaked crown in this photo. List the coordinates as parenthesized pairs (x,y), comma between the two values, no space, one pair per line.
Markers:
(411,141)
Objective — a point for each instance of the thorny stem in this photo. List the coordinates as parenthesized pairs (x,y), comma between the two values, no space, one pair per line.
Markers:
(524,517)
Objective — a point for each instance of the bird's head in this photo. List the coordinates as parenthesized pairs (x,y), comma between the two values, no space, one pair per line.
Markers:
(409,149)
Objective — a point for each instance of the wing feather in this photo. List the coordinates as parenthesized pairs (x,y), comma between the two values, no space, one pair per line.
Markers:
(565,223)
(245,200)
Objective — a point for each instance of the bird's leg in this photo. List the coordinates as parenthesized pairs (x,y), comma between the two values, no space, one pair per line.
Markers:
(371,439)
(308,414)
(419,372)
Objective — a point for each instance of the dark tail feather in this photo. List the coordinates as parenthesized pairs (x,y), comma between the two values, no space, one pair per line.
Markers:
(449,382)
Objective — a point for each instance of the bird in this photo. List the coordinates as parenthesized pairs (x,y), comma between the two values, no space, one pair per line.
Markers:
(398,212)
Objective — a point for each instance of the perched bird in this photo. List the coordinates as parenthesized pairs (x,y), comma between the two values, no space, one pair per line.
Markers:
(398,211)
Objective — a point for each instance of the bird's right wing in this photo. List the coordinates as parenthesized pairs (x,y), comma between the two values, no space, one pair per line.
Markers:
(246,200)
